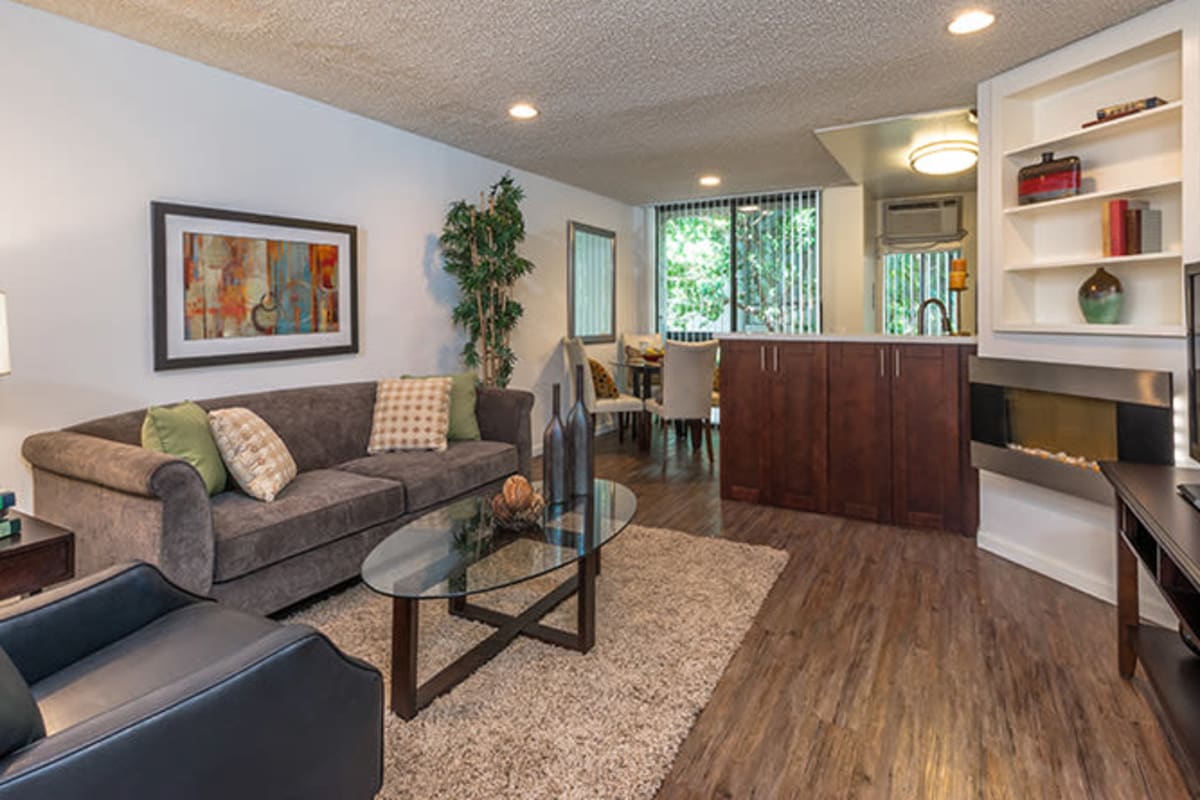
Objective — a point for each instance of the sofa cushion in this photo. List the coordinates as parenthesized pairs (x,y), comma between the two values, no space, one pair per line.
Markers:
(171,647)
(431,477)
(317,507)
(257,458)
(321,425)
(182,430)
(411,414)
(464,425)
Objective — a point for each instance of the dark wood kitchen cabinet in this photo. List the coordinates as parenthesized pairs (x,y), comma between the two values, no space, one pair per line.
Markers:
(860,418)
(743,410)
(773,447)
(934,485)
(871,430)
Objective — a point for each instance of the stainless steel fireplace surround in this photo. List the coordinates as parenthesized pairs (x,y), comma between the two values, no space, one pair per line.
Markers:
(1048,423)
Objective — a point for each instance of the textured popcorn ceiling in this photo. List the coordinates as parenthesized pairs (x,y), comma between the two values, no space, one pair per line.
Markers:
(638,98)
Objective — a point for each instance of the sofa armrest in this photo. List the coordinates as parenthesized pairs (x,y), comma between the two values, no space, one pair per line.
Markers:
(114,465)
(504,416)
(287,716)
(124,503)
(45,633)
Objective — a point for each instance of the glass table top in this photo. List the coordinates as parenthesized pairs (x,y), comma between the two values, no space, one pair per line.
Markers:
(457,550)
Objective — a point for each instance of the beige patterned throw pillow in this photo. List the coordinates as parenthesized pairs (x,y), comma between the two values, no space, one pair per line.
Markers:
(256,457)
(411,414)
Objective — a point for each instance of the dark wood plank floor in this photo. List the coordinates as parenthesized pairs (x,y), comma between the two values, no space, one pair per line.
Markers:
(895,663)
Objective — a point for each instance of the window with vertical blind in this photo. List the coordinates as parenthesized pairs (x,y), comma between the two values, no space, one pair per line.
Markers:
(909,278)
(749,263)
(591,279)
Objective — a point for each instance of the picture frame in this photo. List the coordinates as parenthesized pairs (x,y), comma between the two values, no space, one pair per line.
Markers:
(234,287)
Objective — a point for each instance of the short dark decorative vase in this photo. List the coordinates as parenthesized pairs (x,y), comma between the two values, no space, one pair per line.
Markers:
(554,456)
(1101,298)
(582,461)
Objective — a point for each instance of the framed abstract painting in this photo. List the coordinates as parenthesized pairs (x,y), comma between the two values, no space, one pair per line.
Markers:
(232,287)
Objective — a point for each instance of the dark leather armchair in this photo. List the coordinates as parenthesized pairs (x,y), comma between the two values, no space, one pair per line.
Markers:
(148,691)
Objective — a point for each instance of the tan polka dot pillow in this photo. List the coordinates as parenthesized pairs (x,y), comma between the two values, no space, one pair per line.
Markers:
(254,454)
(411,414)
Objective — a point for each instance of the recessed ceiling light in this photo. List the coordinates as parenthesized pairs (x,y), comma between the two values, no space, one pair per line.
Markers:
(948,157)
(971,21)
(522,111)
(710,180)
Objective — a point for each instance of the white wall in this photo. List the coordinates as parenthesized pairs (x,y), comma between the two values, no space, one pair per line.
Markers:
(98,126)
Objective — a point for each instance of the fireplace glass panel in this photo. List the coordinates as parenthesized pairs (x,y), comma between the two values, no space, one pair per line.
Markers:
(1081,428)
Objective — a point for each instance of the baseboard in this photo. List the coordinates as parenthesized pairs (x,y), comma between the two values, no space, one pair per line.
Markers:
(1152,607)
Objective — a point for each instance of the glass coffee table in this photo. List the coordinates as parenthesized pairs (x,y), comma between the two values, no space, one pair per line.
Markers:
(457,551)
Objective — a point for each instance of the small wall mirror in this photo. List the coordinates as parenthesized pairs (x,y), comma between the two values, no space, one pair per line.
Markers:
(591,283)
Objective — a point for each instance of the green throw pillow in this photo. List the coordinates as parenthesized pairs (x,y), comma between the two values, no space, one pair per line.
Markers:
(183,431)
(464,425)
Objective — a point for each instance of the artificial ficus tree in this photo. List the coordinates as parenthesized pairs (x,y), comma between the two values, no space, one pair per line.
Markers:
(479,247)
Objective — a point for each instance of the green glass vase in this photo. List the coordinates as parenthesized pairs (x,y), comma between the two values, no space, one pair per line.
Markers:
(1101,298)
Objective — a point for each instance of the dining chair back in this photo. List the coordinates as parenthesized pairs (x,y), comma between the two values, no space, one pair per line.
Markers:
(575,354)
(687,378)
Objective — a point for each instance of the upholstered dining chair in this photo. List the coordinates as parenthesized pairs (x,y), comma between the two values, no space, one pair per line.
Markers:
(687,378)
(575,354)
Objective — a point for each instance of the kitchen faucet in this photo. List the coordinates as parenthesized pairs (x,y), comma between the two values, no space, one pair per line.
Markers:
(941,307)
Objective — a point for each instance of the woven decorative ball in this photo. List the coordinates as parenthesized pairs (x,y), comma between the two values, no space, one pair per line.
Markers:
(517,505)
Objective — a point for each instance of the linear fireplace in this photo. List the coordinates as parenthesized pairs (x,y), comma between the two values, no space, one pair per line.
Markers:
(1051,424)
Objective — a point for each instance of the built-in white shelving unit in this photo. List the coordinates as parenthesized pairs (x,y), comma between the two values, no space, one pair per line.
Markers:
(1040,253)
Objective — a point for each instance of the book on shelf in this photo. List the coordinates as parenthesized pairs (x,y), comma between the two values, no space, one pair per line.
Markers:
(1125,109)
(1129,228)
(1152,238)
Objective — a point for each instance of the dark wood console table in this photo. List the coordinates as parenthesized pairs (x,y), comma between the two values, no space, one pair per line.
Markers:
(1162,530)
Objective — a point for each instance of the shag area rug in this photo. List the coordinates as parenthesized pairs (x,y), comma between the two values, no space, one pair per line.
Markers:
(540,721)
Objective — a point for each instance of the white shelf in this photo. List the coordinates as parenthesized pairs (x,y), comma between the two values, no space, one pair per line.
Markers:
(1096,261)
(1161,331)
(1119,126)
(1089,197)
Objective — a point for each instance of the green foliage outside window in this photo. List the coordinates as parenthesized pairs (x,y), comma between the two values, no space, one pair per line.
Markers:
(778,270)
(908,279)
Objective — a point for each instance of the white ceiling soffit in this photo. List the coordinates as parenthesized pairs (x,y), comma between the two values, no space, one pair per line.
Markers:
(637,98)
(875,154)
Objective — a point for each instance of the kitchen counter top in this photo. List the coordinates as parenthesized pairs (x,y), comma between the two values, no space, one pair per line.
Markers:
(867,338)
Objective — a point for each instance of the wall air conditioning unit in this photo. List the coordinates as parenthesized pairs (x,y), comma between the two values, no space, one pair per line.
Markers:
(925,220)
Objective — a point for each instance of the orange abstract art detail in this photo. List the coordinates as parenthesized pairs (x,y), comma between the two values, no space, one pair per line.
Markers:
(238,287)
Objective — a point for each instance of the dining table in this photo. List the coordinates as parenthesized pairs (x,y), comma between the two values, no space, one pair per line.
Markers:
(641,379)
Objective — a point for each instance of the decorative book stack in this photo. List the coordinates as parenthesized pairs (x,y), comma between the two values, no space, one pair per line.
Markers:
(1129,228)
(9,526)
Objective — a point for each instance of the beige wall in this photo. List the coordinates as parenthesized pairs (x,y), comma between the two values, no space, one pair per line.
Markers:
(844,285)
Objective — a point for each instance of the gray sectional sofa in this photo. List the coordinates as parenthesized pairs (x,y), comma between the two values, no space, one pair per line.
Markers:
(127,503)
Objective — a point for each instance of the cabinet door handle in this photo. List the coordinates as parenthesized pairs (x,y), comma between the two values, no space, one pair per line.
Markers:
(776,349)
(881,362)
(762,358)
(897,354)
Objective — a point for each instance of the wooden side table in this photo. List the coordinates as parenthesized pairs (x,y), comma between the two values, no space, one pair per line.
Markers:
(39,556)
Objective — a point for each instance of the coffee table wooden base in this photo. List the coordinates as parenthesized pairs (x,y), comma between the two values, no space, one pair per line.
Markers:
(408,698)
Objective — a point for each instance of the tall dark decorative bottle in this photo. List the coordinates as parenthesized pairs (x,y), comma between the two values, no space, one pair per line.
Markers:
(582,469)
(555,485)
